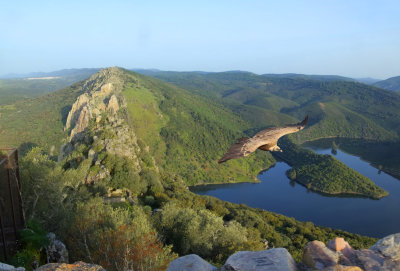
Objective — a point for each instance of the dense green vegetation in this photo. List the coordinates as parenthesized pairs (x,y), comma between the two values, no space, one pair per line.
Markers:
(337,109)
(190,130)
(381,155)
(352,109)
(161,219)
(142,201)
(324,173)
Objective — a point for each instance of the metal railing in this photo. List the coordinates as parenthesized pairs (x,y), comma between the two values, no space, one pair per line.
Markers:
(12,217)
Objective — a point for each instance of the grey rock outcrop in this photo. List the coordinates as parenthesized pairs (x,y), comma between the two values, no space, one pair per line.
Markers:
(388,246)
(190,262)
(383,256)
(113,105)
(370,260)
(277,259)
(7,267)
(100,95)
(56,251)
(98,107)
(339,267)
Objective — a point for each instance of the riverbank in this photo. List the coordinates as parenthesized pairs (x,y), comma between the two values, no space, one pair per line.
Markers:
(254,179)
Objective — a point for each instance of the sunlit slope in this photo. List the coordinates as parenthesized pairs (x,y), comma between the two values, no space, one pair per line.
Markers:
(37,121)
(336,108)
(188,133)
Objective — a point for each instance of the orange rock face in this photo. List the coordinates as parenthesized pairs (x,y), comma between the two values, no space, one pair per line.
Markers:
(342,268)
(338,244)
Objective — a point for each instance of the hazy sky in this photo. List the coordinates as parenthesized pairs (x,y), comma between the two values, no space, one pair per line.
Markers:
(344,37)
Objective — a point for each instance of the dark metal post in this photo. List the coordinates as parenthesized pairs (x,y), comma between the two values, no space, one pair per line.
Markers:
(3,238)
(21,205)
(12,204)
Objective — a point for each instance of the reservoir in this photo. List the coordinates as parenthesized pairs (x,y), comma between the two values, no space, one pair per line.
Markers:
(276,193)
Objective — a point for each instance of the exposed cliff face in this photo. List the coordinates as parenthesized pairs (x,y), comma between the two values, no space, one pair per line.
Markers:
(96,120)
(101,93)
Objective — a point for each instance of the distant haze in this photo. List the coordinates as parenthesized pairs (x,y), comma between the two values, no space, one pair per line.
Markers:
(357,39)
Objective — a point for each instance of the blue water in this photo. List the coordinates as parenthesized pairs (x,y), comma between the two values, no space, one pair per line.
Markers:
(276,193)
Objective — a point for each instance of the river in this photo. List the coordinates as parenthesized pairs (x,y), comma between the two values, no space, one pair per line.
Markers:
(276,193)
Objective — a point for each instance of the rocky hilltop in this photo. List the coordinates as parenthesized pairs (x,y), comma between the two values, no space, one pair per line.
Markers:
(100,96)
(95,120)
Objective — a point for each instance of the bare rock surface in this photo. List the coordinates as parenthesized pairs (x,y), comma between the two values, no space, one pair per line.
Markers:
(190,262)
(370,260)
(277,259)
(338,244)
(388,246)
(77,266)
(56,251)
(7,267)
(317,256)
(339,267)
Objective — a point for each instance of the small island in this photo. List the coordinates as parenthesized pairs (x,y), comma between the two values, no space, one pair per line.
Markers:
(326,174)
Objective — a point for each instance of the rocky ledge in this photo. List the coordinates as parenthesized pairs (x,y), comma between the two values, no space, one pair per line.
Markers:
(337,255)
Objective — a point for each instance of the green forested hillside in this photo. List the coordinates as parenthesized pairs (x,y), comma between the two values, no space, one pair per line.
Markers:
(188,133)
(354,109)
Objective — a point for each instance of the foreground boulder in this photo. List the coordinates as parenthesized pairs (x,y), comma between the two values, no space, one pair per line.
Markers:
(317,256)
(277,259)
(370,260)
(190,262)
(78,266)
(388,246)
(339,267)
(338,244)
(340,256)
(7,267)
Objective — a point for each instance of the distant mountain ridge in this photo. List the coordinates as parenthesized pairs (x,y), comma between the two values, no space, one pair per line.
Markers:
(82,73)
(327,78)
(392,83)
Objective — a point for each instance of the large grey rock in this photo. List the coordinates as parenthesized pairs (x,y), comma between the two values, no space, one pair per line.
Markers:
(339,267)
(276,259)
(56,250)
(388,246)
(317,256)
(190,262)
(7,267)
(370,260)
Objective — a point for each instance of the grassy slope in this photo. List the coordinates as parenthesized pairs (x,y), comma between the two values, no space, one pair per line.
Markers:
(195,131)
(350,102)
(336,109)
(37,121)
